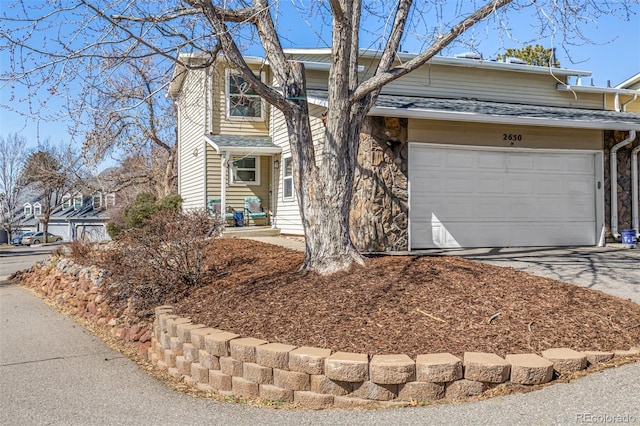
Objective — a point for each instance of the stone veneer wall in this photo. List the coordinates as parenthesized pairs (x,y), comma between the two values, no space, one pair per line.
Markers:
(624,181)
(380,205)
(219,360)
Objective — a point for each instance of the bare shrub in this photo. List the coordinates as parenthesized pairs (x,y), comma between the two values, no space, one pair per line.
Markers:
(160,261)
(80,250)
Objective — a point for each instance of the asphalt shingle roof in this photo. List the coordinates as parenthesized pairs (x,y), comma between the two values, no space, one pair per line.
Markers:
(468,109)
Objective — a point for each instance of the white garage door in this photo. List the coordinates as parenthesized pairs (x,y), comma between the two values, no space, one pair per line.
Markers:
(60,229)
(490,198)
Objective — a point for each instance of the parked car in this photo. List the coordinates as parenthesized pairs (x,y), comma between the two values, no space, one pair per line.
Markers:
(17,237)
(38,238)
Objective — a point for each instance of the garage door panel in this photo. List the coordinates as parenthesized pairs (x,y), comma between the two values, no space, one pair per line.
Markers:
(504,199)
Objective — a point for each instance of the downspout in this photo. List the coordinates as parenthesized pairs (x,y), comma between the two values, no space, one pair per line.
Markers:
(224,162)
(272,201)
(205,114)
(613,163)
(634,190)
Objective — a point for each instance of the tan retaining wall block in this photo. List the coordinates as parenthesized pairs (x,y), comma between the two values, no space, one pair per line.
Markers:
(219,381)
(163,321)
(274,355)
(485,367)
(463,389)
(218,343)
(595,357)
(315,401)
(207,360)
(176,345)
(391,369)
(183,366)
(322,384)
(308,360)
(184,331)
(199,373)
(347,367)
(231,366)
(290,380)
(172,325)
(530,369)
(353,402)
(565,359)
(375,391)
(244,388)
(244,349)
(438,368)
(274,393)
(198,335)
(257,373)
(190,352)
(421,391)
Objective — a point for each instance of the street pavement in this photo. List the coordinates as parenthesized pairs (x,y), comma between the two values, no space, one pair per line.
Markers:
(54,372)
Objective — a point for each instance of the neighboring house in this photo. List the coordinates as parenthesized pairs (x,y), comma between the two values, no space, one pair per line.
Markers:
(79,216)
(460,153)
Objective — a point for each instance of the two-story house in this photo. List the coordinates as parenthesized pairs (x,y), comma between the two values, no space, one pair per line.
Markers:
(460,153)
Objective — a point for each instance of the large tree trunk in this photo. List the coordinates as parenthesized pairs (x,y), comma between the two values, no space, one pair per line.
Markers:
(324,193)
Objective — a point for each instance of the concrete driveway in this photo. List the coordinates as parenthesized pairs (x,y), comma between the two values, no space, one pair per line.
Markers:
(612,270)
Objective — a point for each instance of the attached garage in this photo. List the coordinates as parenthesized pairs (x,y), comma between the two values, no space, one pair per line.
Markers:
(61,229)
(469,196)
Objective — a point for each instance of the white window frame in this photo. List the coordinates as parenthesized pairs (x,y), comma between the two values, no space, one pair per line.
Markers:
(98,196)
(232,168)
(66,201)
(37,209)
(228,96)
(110,200)
(79,197)
(285,178)
(28,210)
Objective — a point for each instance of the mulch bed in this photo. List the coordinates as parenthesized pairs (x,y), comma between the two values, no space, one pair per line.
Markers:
(404,304)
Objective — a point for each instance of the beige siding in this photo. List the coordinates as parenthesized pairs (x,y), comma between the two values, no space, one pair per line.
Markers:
(237,193)
(447,81)
(214,173)
(631,107)
(449,132)
(287,213)
(221,124)
(191,145)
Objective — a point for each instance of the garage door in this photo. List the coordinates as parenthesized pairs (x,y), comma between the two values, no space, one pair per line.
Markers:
(60,229)
(491,198)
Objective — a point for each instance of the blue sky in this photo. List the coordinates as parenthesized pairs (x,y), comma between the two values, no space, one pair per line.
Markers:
(613,55)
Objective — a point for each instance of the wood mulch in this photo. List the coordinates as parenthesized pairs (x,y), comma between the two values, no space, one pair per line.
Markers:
(404,304)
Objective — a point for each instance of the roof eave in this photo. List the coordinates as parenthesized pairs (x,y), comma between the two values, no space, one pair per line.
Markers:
(498,119)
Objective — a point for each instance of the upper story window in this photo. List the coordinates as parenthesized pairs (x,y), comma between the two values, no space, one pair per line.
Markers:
(96,200)
(287,178)
(66,201)
(110,200)
(245,170)
(37,209)
(28,210)
(77,201)
(243,103)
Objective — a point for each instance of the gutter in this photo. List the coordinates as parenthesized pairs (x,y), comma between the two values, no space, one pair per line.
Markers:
(613,163)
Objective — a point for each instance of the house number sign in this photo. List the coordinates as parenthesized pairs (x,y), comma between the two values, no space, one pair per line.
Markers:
(511,137)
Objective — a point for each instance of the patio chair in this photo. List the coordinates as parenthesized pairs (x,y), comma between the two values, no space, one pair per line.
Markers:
(253,209)
(215,209)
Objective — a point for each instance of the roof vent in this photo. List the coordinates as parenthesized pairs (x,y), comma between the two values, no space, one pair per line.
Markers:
(512,60)
(469,55)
